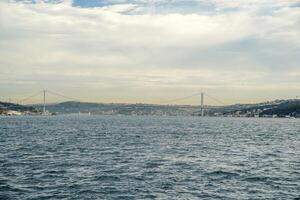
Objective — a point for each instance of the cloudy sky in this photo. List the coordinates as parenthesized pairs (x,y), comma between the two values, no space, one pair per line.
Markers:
(150,50)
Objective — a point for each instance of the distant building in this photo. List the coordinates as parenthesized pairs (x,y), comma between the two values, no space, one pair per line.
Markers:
(13,112)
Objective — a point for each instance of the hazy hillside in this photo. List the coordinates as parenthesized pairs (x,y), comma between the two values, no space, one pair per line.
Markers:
(121,109)
(4,106)
(278,108)
(291,108)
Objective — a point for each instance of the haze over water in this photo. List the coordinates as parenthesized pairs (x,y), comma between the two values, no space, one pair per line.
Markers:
(128,157)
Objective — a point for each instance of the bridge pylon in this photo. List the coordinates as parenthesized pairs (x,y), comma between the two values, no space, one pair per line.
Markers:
(44,102)
(202,104)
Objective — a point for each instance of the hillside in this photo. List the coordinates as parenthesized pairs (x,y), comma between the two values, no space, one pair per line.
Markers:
(118,109)
(278,108)
(5,107)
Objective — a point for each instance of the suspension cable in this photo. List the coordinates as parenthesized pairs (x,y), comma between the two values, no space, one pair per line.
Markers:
(63,96)
(29,97)
(182,98)
(215,99)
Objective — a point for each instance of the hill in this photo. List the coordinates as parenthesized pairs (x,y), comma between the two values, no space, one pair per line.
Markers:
(278,108)
(6,107)
(72,107)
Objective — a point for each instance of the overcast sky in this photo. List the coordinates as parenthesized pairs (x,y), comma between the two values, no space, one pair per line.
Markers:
(150,51)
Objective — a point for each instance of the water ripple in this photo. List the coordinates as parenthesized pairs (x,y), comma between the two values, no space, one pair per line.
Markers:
(118,157)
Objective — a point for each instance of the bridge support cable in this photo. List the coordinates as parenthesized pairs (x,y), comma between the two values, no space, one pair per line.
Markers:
(63,96)
(29,97)
(182,98)
(215,99)
(43,94)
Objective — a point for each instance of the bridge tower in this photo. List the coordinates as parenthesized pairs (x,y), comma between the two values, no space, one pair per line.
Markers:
(202,104)
(44,102)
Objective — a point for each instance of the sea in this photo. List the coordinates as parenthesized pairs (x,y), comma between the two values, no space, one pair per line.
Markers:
(148,157)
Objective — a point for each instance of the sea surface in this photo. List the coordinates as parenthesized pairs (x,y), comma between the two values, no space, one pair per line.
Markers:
(147,157)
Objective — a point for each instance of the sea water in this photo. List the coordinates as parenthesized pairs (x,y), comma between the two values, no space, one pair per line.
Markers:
(148,157)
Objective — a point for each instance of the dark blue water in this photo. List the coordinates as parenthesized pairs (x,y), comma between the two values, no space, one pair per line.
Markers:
(118,157)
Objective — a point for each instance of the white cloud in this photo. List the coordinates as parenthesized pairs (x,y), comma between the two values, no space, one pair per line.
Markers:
(121,8)
(105,49)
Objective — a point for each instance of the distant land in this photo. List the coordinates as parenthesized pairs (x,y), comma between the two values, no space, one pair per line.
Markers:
(7,108)
(273,109)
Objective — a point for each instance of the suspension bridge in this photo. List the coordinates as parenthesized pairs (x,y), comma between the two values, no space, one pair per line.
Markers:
(44,93)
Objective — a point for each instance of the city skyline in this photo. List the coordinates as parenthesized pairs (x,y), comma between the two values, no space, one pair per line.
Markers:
(242,51)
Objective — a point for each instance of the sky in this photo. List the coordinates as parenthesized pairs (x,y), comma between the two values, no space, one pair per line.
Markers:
(150,51)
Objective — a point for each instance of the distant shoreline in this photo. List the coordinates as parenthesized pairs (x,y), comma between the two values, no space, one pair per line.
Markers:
(273,109)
